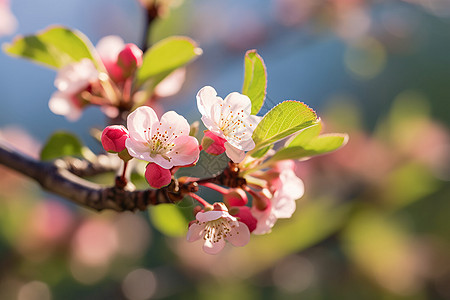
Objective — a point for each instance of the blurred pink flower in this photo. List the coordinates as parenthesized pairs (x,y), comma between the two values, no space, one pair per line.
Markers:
(229,119)
(70,82)
(280,198)
(166,142)
(217,226)
(8,22)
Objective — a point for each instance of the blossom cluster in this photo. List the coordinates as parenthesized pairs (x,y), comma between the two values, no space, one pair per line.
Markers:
(166,145)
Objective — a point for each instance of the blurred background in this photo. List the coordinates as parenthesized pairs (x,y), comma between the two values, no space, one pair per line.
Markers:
(374,222)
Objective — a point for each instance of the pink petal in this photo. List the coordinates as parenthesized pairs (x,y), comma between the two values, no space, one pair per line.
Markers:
(140,122)
(171,84)
(245,216)
(63,104)
(213,248)
(283,206)
(233,153)
(239,236)
(194,232)
(213,144)
(212,215)
(138,149)
(185,151)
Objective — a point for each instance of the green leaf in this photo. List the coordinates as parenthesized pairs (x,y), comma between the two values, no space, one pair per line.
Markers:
(306,135)
(208,165)
(281,121)
(261,152)
(61,144)
(166,56)
(53,47)
(255,80)
(322,144)
(169,219)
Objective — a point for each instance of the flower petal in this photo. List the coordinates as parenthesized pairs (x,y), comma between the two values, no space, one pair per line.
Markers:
(185,151)
(233,153)
(238,103)
(63,104)
(206,100)
(213,215)
(140,123)
(213,248)
(138,149)
(174,124)
(239,236)
(194,232)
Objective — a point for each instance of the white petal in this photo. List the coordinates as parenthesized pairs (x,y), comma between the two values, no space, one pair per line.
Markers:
(194,232)
(238,103)
(62,104)
(174,123)
(138,149)
(239,235)
(206,100)
(283,206)
(109,47)
(234,153)
(76,76)
(141,121)
(212,215)
(213,248)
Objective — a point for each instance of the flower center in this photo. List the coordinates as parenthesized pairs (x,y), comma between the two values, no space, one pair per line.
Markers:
(217,229)
(160,143)
(230,122)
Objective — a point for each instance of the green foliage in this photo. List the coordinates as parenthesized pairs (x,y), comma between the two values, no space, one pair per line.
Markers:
(255,80)
(322,144)
(169,219)
(306,135)
(61,144)
(53,47)
(281,121)
(166,56)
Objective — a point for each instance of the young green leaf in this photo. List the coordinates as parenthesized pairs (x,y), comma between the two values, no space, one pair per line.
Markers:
(322,144)
(305,136)
(53,47)
(281,121)
(255,80)
(61,144)
(166,56)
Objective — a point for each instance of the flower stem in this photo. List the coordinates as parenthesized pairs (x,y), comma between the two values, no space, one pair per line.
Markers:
(215,187)
(199,199)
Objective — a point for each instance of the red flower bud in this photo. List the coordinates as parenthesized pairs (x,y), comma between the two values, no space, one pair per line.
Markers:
(129,59)
(113,138)
(213,144)
(157,176)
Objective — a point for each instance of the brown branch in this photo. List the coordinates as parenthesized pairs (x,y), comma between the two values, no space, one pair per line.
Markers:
(62,177)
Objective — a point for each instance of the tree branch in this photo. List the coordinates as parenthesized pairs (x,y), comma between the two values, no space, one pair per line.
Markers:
(62,177)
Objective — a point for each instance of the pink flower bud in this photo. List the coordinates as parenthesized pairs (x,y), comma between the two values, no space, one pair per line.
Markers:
(245,216)
(129,59)
(157,176)
(213,144)
(113,138)
(235,197)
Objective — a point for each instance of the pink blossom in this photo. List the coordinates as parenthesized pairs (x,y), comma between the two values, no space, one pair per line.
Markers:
(245,216)
(229,119)
(70,82)
(113,138)
(213,144)
(157,176)
(8,22)
(283,191)
(217,226)
(108,49)
(165,142)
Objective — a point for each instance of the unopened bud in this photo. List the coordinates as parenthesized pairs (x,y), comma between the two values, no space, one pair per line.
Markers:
(213,144)
(129,59)
(157,176)
(114,137)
